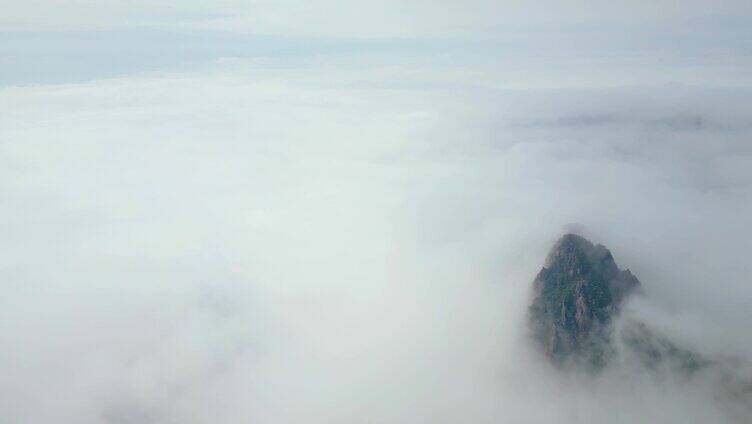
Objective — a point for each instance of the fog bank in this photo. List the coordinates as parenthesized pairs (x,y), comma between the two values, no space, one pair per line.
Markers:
(351,242)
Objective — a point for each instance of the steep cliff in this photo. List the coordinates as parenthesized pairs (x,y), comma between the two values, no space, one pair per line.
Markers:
(576,295)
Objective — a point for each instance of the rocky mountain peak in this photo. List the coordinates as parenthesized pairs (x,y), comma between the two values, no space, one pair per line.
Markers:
(576,294)
(577,297)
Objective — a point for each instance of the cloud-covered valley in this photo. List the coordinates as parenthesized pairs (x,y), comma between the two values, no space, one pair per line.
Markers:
(338,240)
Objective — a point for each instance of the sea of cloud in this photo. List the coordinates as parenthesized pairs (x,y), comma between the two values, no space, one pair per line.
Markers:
(349,242)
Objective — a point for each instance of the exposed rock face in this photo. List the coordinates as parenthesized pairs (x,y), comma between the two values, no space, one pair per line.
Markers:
(658,353)
(577,297)
(577,293)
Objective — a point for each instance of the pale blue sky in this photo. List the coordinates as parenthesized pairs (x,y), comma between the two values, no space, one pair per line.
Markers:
(52,42)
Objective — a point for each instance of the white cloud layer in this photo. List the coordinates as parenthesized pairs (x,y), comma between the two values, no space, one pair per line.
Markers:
(344,243)
(347,232)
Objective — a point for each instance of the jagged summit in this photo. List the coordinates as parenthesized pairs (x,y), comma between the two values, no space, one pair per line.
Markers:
(577,256)
(573,245)
(577,293)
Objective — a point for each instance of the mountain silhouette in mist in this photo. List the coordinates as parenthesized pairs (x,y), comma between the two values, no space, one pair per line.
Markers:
(577,293)
(575,320)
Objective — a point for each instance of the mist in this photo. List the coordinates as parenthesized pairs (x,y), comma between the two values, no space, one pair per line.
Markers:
(350,234)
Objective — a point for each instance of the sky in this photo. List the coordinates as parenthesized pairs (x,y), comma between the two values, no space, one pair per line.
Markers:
(286,212)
